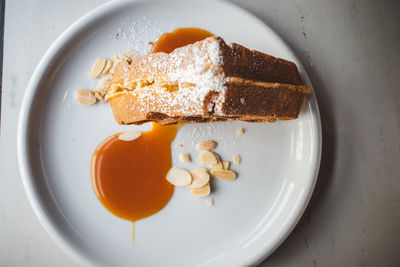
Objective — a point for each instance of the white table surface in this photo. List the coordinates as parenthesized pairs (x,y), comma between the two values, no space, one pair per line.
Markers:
(351,51)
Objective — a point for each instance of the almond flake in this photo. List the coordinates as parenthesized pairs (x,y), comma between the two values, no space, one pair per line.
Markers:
(107,67)
(129,136)
(97,68)
(179,177)
(218,159)
(104,83)
(240,131)
(99,96)
(236,159)
(185,158)
(209,201)
(207,157)
(115,60)
(202,191)
(200,177)
(224,174)
(207,145)
(85,97)
(225,165)
(217,165)
(128,55)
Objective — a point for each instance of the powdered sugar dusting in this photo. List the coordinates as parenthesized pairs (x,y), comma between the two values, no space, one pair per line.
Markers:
(137,32)
(205,71)
(180,81)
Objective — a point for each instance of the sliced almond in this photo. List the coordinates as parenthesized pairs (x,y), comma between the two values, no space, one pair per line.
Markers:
(217,165)
(128,55)
(129,136)
(225,165)
(207,157)
(218,159)
(99,96)
(207,145)
(179,177)
(115,60)
(202,191)
(236,159)
(104,82)
(224,174)
(85,97)
(106,77)
(107,67)
(97,68)
(209,201)
(200,177)
(185,158)
(240,131)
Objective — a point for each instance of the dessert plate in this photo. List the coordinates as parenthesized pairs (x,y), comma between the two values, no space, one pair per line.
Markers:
(56,137)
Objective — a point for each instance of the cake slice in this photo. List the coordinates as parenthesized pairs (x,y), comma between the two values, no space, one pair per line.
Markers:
(206,81)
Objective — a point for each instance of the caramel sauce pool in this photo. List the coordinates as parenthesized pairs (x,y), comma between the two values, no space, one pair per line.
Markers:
(178,38)
(128,177)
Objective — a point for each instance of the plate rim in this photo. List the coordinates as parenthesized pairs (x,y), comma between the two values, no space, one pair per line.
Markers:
(29,99)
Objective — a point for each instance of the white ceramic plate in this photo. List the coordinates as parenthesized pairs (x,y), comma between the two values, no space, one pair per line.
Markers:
(56,138)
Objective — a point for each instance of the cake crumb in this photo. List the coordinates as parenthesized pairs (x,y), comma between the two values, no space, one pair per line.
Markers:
(209,201)
(240,131)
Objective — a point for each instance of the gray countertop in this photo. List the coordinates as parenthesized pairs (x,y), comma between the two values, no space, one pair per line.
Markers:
(351,51)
